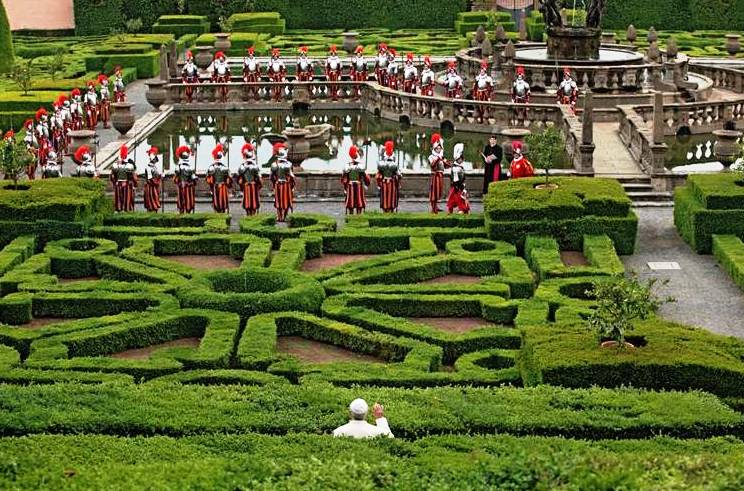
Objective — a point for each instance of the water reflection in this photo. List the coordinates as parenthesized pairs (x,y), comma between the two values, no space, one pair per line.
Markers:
(689,149)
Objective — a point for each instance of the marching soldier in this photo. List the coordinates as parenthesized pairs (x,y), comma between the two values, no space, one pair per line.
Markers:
(85,165)
(220,181)
(76,110)
(124,180)
(388,179)
(251,71)
(57,127)
(185,179)
(410,75)
(189,76)
(458,195)
(119,94)
(277,73)
(520,166)
(452,81)
(104,108)
(333,69)
(43,138)
(153,181)
(51,169)
(355,181)
(482,88)
(91,106)
(381,63)
(521,93)
(392,69)
(427,78)
(283,182)
(66,114)
(32,145)
(568,91)
(358,69)
(249,180)
(221,75)
(437,163)
(305,69)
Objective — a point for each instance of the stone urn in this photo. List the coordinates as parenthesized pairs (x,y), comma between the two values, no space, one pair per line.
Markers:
(726,148)
(652,35)
(222,41)
(653,53)
(351,41)
(298,146)
(500,33)
(608,37)
(203,57)
(79,138)
(156,93)
(522,28)
(122,117)
(631,34)
(480,36)
(732,44)
(671,48)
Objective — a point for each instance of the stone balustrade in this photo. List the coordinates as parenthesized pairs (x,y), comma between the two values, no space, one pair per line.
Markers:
(695,117)
(723,78)
(639,139)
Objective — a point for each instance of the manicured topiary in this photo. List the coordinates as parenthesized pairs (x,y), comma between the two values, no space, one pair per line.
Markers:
(7,58)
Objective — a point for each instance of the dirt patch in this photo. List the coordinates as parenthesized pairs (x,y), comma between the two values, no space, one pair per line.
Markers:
(327,261)
(63,281)
(455,325)
(309,351)
(145,353)
(40,322)
(205,263)
(574,258)
(452,278)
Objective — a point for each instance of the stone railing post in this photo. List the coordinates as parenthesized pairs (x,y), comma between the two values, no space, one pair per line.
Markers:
(164,70)
(173,59)
(658,147)
(586,148)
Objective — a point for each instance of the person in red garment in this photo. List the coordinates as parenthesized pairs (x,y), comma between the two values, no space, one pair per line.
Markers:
(153,181)
(437,164)
(458,194)
(283,182)
(220,181)
(520,166)
(355,180)
(249,180)
(124,181)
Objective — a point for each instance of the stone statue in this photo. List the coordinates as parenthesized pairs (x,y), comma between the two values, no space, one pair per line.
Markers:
(551,13)
(594,13)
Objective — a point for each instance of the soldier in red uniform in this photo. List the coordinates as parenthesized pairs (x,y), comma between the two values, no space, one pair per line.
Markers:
(392,70)
(190,76)
(568,91)
(44,140)
(410,75)
(249,180)
(283,182)
(185,179)
(32,146)
(458,194)
(119,94)
(521,94)
(153,181)
(221,75)
(381,64)
(355,181)
(359,71)
(251,72)
(277,73)
(388,179)
(305,70)
(333,69)
(520,166)
(482,89)
(76,110)
(428,78)
(90,106)
(220,181)
(104,103)
(437,163)
(124,181)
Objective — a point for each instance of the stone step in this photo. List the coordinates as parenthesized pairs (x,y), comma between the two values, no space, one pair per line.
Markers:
(653,204)
(643,196)
(638,188)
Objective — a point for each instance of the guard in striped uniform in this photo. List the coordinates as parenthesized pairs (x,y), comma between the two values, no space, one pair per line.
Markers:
(458,195)
(333,68)
(153,181)
(249,180)
(76,110)
(91,106)
(359,70)
(124,180)
(51,169)
(86,166)
(185,179)
(355,181)
(221,75)
(220,181)
(283,182)
(119,94)
(104,104)
(437,163)
(189,77)
(388,179)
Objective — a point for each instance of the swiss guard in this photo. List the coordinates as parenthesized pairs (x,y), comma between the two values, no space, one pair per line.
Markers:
(190,76)
(52,168)
(568,91)
(333,69)
(32,146)
(66,115)
(76,110)
(381,63)
(483,88)
(124,180)
(388,179)
(428,78)
(251,71)
(452,81)
(86,167)
(220,181)
(277,73)
(185,179)
(44,140)
(90,106)
(355,181)
(521,93)
(153,181)
(392,69)
(520,166)
(358,69)
(437,163)
(249,180)
(119,94)
(104,105)
(410,75)
(305,70)
(283,182)
(221,75)
(458,195)
(59,128)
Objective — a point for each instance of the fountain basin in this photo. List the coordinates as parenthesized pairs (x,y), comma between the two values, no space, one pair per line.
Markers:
(605,56)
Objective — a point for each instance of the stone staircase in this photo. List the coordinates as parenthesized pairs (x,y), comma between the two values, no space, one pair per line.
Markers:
(640,190)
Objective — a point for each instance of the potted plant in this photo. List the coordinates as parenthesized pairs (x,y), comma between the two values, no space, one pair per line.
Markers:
(621,302)
(546,149)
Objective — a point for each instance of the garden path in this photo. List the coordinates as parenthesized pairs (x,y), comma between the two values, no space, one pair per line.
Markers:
(611,156)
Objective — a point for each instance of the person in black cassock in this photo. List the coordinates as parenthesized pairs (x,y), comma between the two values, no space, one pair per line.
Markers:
(492,155)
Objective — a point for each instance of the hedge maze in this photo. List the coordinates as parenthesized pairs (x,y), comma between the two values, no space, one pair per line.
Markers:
(129,338)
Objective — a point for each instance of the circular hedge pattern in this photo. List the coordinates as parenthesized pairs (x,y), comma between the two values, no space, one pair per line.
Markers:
(75,258)
(481,248)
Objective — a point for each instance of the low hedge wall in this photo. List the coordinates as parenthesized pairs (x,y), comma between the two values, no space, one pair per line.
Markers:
(74,258)
(147,64)
(729,251)
(264,225)
(120,269)
(543,255)
(16,252)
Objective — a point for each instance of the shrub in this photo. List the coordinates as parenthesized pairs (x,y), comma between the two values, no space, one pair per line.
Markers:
(7,58)
(73,258)
(180,25)
(147,64)
(95,17)
(16,252)
(729,251)
(264,22)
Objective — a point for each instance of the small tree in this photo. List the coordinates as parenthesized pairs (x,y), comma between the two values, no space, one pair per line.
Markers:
(133,26)
(546,149)
(21,75)
(620,303)
(57,63)
(14,158)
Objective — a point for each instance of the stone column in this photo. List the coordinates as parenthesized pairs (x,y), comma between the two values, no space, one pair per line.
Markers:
(173,59)
(658,117)
(164,69)
(586,147)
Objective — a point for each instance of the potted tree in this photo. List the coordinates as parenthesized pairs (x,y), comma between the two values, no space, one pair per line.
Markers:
(546,148)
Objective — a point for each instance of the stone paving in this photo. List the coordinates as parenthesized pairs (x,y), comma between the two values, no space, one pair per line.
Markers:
(611,157)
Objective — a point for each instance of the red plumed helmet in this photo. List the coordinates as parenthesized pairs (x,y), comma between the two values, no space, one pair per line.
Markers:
(484,64)
(80,152)
(436,138)
(123,152)
(303,49)
(40,113)
(219,54)
(566,70)
(389,148)
(189,55)
(359,49)
(247,149)
(251,50)
(183,149)
(354,152)
(217,152)
(275,52)
(10,134)
(516,145)
(117,69)
(278,146)
(332,48)
(102,79)
(451,64)
(520,70)
(383,46)
(28,123)
(393,52)
(61,99)
(409,56)
(153,151)
(427,61)
(75,92)
(91,84)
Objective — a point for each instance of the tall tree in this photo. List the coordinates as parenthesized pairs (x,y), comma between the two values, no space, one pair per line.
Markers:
(6,42)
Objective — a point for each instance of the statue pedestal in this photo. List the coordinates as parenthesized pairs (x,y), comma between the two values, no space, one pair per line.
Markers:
(574,43)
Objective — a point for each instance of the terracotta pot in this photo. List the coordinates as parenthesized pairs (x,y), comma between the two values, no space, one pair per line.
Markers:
(732,44)
(350,41)
(726,148)
(82,137)
(203,57)
(222,41)
(298,146)
(156,93)
(122,117)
